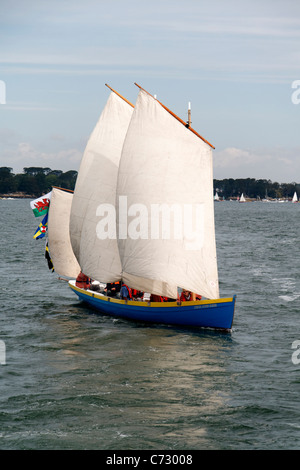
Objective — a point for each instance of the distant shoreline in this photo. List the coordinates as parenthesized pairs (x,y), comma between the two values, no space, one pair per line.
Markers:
(36,181)
(17,195)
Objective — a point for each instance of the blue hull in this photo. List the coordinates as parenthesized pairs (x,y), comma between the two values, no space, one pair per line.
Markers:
(216,313)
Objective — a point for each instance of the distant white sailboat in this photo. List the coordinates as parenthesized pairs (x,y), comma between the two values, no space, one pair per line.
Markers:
(242,198)
(216,198)
(295,197)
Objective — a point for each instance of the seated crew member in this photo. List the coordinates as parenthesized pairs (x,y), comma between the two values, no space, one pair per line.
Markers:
(95,286)
(112,288)
(137,294)
(125,292)
(156,298)
(83,281)
(186,296)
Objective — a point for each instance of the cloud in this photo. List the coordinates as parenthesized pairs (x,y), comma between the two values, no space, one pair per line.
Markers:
(24,154)
(233,156)
(8,136)
(235,59)
(22,106)
(191,39)
(276,164)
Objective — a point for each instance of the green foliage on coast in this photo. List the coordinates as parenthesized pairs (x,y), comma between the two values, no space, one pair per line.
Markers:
(256,189)
(35,181)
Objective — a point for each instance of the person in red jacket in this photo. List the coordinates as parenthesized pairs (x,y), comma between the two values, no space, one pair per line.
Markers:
(186,296)
(83,281)
(156,298)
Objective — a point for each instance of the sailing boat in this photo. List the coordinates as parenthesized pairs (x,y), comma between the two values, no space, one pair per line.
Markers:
(62,255)
(295,197)
(242,198)
(142,212)
(216,198)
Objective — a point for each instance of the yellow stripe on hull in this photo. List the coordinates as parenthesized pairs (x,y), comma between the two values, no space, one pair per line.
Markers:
(148,303)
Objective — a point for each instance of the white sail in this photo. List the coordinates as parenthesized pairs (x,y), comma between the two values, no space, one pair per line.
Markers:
(163,162)
(242,199)
(63,259)
(95,185)
(295,197)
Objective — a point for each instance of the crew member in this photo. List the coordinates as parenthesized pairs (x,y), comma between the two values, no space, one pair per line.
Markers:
(186,296)
(83,281)
(125,292)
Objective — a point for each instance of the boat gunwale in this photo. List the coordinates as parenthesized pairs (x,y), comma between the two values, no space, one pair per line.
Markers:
(146,303)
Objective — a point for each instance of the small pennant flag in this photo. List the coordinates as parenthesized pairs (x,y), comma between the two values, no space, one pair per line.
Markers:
(48,258)
(40,205)
(42,228)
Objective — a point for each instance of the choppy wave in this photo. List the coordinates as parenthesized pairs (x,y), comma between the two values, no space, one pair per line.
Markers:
(74,379)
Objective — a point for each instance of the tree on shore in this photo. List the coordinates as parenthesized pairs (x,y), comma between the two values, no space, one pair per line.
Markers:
(252,188)
(35,181)
(7,181)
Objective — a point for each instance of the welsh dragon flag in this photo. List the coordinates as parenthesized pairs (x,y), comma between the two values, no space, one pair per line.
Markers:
(40,205)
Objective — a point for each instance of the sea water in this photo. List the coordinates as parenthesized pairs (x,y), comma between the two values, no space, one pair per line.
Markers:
(71,378)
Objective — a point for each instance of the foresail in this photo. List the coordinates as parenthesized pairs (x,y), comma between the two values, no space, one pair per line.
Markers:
(95,188)
(165,178)
(62,256)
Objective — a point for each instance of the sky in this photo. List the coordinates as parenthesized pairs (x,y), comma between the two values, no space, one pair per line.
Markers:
(236,61)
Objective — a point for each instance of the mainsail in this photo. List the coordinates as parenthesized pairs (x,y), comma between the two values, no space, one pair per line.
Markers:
(166,169)
(62,256)
(95,185)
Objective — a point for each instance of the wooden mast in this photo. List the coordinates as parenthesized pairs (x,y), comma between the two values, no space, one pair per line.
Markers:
(188,125)
(189,121)
(119,95)
(178,118)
